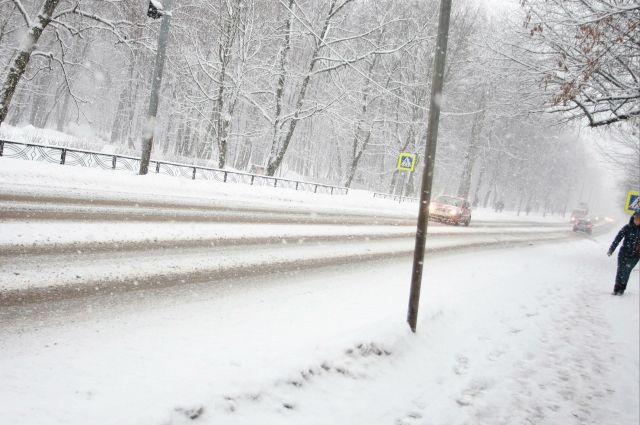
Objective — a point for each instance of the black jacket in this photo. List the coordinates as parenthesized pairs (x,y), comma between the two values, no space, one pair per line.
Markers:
(631,235)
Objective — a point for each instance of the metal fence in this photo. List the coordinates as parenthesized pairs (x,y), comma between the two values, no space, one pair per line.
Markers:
(395,197)
(107,161)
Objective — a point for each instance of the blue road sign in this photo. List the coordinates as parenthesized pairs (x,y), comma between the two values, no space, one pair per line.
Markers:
(633,202)
(406,162)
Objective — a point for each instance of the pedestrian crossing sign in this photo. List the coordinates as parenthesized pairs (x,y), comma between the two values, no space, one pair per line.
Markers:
(407,162)
(633,202)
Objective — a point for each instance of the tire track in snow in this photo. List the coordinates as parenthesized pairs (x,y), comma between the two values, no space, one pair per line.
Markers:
(42,278)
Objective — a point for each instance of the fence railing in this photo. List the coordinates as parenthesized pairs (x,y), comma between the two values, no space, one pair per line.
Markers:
(395,197)
(83,158)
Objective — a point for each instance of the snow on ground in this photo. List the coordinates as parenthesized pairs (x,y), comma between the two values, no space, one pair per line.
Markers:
(81,137)
(46,232)
(506,336)
(144,267)
(18,176)
(513,336)
(46,179)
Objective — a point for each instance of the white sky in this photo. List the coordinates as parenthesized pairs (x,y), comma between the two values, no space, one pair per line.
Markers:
(498,7)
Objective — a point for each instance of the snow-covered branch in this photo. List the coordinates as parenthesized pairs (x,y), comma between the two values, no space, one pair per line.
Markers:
(24,13)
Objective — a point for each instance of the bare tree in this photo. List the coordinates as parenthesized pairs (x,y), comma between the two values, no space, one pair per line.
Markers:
(23,56)
(620,148)
(73,20)
(295,69)
(587,56)
(212,73)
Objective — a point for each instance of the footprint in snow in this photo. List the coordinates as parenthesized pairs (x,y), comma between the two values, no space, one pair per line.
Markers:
(474,390)
(410,419)
(495,355)
(462,365)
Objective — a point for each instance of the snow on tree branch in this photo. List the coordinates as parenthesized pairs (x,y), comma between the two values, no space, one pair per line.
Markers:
(23,12)
(587,54)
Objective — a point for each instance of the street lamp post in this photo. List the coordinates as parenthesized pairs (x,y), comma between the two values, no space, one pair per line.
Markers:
(156,10)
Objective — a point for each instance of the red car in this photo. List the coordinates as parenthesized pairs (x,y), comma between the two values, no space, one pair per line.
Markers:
(450,209)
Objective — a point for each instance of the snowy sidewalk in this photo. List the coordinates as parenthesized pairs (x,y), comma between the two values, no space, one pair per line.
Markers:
(515,336)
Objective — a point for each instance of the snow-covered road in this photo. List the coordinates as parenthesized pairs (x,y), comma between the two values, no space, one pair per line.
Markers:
(27,278)
(53,259)
(69,232)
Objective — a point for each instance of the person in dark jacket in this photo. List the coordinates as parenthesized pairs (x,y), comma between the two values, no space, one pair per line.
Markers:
(629,253)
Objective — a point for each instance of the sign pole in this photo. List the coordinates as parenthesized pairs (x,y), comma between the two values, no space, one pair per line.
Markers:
(427,175)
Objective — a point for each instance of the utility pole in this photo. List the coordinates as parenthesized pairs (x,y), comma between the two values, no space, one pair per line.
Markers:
(430,155)
(163,10)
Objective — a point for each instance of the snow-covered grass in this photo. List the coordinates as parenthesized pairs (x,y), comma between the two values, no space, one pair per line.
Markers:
(37,178)
(83,137)
(76,137)
(516,336)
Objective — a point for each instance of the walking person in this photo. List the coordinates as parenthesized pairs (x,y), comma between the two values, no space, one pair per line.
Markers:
(629,253)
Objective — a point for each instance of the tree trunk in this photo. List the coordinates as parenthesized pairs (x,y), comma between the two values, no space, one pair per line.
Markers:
(38,101)
(63,112)
(358,150)
(476,195)
(280,85)
(117,129)
(357,153)
(471,154)
(394,182)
